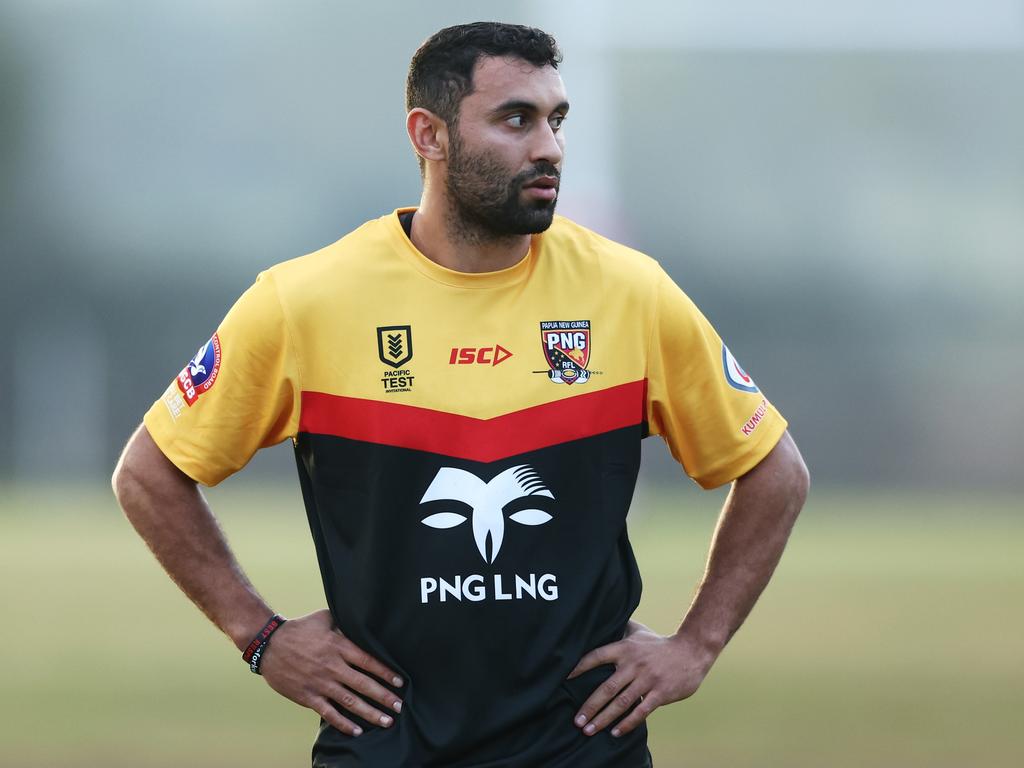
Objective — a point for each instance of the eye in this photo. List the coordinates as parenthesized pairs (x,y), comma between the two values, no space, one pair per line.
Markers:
(516,121)
(556,121)
(531,517)
(444,520)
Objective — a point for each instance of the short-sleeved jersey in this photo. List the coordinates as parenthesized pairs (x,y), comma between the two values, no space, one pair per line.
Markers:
(467,447)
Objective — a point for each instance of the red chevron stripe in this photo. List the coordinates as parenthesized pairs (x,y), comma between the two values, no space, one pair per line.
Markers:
(464,437)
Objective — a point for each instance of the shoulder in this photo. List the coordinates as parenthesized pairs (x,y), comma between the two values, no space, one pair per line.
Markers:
(355,250)
(348,270)
(575,245)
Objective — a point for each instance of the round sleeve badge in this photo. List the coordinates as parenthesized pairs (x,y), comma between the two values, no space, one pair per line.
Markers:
(734,374)
(200,374)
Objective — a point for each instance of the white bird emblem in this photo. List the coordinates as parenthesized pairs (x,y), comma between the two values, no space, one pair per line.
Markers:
(195,366)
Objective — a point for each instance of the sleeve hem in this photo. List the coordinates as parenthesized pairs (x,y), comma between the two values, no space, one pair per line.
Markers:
(756,451)
(165,443)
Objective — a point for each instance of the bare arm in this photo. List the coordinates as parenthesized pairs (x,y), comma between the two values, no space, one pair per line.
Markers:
(167,509)
(751,534)
(748,541)
(308,660)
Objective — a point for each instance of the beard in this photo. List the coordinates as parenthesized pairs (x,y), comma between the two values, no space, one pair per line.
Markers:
(486,203)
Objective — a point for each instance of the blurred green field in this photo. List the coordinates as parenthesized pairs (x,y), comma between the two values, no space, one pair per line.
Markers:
(891,636)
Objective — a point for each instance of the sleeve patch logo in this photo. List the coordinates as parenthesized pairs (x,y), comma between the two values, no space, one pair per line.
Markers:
(748,428)
(200,374)
(736,376)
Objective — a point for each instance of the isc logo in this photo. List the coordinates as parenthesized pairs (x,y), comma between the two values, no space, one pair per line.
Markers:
(479,355)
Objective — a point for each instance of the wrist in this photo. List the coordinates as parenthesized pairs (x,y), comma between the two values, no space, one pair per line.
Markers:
(702,645)
(253,653)
(244,628)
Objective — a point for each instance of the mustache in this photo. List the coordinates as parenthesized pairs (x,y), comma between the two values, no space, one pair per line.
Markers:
(539,170)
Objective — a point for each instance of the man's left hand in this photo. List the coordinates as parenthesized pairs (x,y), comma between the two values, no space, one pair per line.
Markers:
(650,670)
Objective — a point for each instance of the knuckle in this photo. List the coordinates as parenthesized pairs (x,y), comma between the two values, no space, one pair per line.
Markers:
(623,700)
(609,687)
(315,703)
(648,705)
(340,669)
(348,700)
(327,712)
(360,683)
(367,687)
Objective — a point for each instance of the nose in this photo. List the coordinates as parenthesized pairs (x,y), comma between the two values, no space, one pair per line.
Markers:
(548,145)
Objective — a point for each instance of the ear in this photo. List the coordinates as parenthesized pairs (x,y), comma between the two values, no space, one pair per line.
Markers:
(428,134)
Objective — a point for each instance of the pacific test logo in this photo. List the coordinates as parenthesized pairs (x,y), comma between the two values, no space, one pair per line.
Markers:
(518,492)
(394,348)
(566,346)
(394,344)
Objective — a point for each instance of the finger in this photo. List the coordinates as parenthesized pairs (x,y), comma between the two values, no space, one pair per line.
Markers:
(604,693)
(366,685)
(333,717)
(648,703)
(616,708)
(606,654)
(349,701)
(357,657)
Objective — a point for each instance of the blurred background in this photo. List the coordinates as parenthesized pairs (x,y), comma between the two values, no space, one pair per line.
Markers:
(839,186)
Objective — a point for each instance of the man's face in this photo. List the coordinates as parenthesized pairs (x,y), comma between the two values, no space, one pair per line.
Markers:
(505,150)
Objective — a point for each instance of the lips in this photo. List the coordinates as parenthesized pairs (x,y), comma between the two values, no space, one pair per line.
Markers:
(544,182)
(544,188)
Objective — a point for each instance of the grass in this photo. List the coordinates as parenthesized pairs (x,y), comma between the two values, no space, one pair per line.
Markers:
(890,636)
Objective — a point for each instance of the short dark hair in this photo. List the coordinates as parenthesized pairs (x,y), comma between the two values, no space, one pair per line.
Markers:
(441,70)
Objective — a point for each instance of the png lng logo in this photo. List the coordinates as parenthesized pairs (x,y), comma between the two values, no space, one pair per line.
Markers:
(520,491)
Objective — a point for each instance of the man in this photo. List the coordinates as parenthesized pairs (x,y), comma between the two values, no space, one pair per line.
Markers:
(466,384)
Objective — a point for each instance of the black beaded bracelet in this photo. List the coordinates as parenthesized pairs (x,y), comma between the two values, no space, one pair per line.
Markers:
(253,654)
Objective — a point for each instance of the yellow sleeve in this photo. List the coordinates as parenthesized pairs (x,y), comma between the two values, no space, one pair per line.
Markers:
(712,415)
(238,394)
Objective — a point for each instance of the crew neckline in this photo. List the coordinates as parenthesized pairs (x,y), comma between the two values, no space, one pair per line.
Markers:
(498,279)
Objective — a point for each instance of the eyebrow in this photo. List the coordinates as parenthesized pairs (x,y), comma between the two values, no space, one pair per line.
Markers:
(526,106)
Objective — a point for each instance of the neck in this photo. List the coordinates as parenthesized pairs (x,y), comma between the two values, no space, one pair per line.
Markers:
(446,238)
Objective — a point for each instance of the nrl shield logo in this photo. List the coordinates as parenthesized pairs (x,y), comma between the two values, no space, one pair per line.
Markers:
(394,344)
(566,345)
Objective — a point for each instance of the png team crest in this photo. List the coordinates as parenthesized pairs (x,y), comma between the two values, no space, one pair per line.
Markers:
(394,344)
(566,345)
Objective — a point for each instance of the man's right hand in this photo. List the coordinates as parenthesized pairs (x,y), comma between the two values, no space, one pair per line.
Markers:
(307,660)
(312,663)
